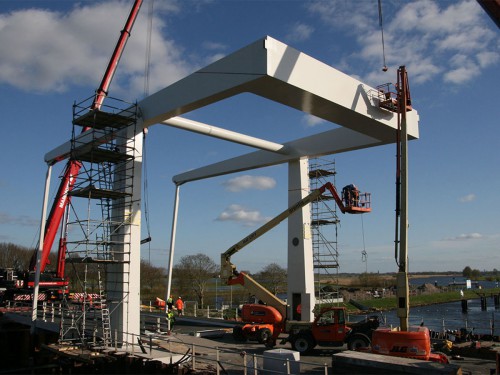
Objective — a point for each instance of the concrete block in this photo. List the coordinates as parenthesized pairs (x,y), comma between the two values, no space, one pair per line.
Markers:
(275,361)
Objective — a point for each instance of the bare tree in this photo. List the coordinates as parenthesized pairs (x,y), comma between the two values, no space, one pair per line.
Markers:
(273,277)
(153,281)
(192,273)
(14,256)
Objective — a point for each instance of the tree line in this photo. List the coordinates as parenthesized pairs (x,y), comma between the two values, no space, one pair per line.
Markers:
(194,277)
(475,274)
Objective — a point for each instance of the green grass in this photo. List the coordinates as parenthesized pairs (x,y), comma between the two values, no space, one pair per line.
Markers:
(422,299)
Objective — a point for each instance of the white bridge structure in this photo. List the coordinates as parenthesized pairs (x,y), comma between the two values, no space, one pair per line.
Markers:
(280,73)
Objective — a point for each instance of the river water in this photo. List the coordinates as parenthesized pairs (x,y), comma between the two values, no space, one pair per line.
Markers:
(449,316)
(444,281)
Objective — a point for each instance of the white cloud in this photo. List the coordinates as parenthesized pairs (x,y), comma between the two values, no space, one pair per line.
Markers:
(214,46)
(21,220)
(434,39)
(50,51)
(242,215)
(486,59)
(468,198)
(217,51)
(465,237)
(312,121)
(249,182)
(300,32)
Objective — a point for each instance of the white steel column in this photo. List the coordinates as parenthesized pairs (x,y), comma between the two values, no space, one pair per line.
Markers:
(300,256)
(172,240)
(34,311)
(124,279)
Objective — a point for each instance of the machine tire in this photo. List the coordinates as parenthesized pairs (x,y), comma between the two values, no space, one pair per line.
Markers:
(238,334)
(271,343)
(444,357)
(303,343)
(264,335)
(358,340)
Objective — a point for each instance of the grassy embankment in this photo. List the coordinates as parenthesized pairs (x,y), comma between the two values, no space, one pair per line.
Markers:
(423,299)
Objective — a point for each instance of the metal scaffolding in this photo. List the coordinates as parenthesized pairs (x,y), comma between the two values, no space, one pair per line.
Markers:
(324,225)
(95,233)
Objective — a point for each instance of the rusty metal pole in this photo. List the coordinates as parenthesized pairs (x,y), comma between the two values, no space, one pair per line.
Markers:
(402,276)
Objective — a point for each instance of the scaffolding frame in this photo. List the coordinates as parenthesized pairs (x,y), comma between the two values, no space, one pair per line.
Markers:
(95,226)
(324,227)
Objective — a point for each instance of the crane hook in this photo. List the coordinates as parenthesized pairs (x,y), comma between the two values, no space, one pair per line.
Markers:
(384,69)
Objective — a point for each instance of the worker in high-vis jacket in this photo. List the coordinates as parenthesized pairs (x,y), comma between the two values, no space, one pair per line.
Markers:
(179,305)
(170,303)
(170,320)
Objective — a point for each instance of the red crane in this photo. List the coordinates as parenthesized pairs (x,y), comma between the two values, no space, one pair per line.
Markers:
(62,198)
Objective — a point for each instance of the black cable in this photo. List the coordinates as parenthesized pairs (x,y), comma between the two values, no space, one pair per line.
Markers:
(382,30)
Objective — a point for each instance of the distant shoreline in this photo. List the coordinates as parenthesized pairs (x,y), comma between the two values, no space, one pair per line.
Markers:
(423,276)
(381,280)
(347,278)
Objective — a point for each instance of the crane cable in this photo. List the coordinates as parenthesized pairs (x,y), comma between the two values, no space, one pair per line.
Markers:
(364,254)
(382,30)
(144,149)
(148,48)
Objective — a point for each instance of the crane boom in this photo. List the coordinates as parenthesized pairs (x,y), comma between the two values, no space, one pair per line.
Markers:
(351,206)
(228,269)
(62,198)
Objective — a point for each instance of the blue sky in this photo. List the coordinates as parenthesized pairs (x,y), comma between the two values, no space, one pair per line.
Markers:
(55,52)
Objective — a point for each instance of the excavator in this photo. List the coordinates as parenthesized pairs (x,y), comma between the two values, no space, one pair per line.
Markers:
(53,285)
(265,321)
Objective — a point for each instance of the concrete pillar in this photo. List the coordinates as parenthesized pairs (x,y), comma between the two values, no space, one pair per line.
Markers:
(300,253)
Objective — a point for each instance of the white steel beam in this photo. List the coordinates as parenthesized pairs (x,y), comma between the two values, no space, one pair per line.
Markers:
(83,142)
(326,143)
(275,71)
(228,135)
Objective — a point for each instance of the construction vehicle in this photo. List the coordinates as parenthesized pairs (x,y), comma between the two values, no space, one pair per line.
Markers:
(404,341)
(53,285)
(413,343)
(265,322)
(330,328)
(17,286)
(160,303)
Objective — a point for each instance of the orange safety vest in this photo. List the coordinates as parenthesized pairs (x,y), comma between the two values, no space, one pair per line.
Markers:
(179,304)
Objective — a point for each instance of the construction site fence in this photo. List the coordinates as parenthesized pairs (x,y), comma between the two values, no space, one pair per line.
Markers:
(195,357)
(191,308)
(440,326)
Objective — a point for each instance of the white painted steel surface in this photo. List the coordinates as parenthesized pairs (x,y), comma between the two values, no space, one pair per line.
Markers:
(275,71)
(228,135)
(300,254)
(123,279)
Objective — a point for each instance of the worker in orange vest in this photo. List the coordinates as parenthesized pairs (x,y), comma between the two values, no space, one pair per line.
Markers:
(179,305)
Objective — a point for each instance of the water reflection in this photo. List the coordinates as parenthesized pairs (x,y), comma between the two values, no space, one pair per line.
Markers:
(449,316)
